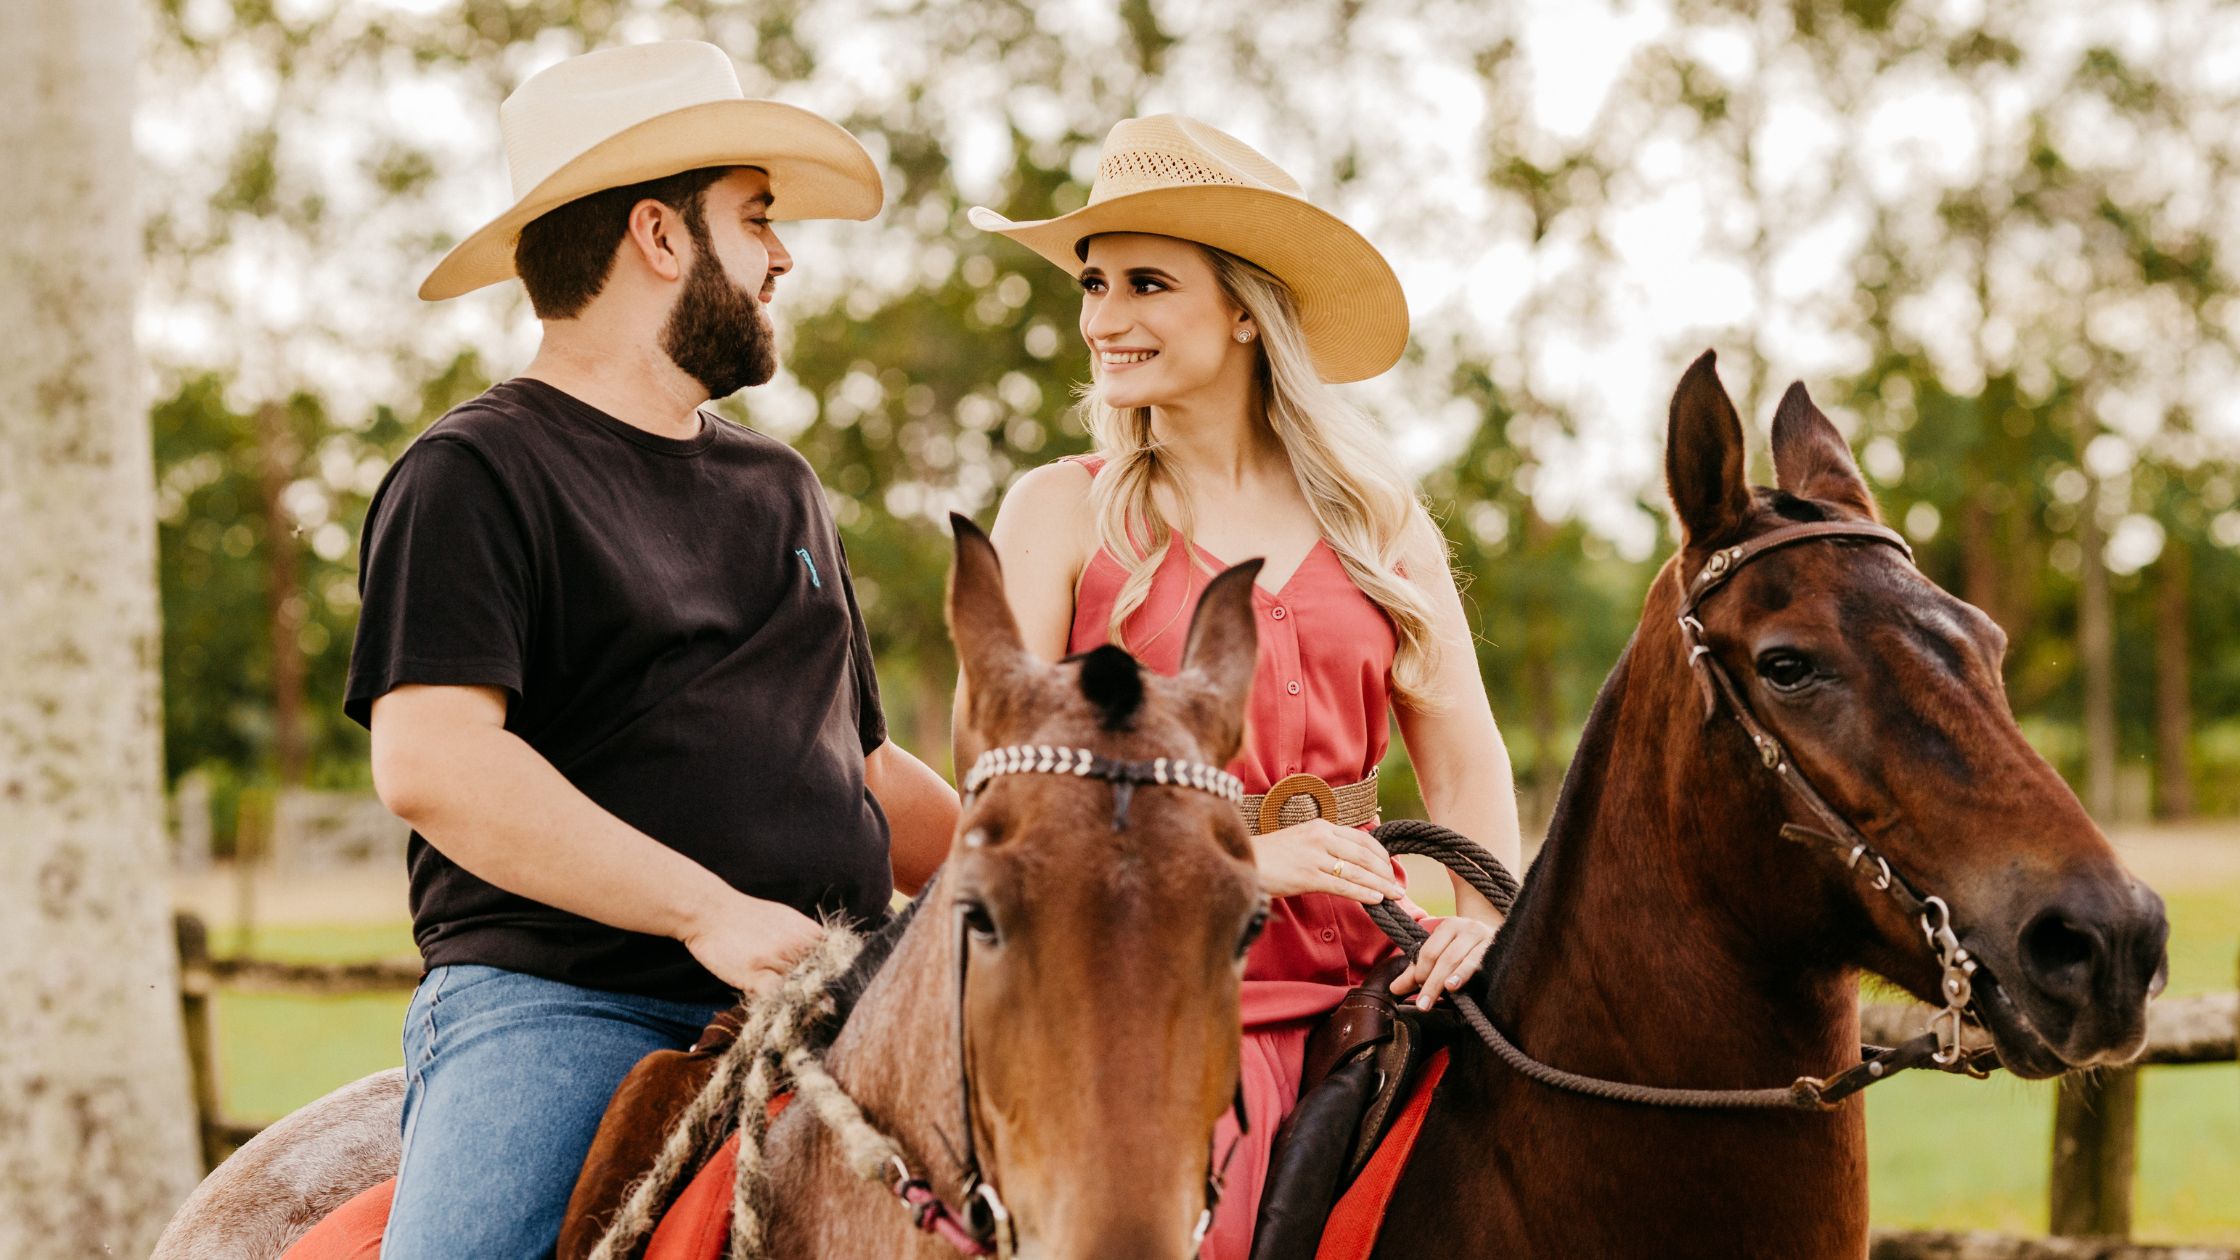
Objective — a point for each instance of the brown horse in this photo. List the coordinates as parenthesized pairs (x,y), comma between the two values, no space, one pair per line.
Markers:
(1669,935)
(1103,926)
(1058,1021)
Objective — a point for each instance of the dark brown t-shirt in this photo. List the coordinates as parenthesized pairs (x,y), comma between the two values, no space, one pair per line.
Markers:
(675,628)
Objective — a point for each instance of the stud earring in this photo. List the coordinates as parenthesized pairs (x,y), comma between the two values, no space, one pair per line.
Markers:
(1244,335)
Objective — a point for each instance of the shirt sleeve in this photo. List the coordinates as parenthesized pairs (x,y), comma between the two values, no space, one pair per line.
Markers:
(871,720)
(444,582)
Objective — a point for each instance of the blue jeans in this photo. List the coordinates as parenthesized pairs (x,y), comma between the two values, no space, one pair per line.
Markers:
(507,1076)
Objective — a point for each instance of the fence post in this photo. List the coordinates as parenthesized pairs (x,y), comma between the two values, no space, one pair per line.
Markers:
(195,994)
(2095,1150)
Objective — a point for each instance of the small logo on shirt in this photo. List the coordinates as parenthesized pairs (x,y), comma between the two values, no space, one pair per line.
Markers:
(806,559)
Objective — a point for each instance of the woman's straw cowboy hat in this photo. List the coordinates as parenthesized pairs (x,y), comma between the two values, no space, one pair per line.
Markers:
(624,115)
(1168,175)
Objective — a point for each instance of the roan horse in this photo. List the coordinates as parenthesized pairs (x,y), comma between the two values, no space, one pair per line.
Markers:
(1672,935)
(991,1036)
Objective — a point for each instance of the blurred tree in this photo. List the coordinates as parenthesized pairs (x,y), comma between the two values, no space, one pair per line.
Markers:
(2041,305)
(93,1076)
(1973,230)
(220,502)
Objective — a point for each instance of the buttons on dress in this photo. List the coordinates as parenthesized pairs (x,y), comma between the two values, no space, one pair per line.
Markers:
(1329,934)
(1279,614)
(1292,686)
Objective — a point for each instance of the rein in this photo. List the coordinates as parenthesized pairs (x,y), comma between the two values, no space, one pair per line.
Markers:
(1939,1047)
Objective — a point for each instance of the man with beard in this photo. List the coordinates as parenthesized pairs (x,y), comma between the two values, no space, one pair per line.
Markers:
(609,651)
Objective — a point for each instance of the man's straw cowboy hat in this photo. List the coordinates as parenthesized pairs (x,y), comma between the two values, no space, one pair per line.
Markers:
(1168,175)
(624,115)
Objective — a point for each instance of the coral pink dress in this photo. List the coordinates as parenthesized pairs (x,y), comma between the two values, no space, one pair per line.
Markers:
(1321,696)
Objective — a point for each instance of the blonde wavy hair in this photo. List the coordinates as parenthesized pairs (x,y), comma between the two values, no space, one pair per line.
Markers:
(1362,502)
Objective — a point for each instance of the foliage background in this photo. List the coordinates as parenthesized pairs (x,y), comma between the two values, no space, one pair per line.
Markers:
(1991,236)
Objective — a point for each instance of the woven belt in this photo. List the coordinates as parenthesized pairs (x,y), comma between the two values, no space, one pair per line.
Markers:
(1299,797)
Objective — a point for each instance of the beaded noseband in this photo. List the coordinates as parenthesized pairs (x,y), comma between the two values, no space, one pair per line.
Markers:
(1124,776)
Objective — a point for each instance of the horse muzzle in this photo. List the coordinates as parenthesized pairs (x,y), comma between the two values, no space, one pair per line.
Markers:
(2066,985)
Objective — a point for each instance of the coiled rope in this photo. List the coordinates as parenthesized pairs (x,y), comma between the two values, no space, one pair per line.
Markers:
(775,1049)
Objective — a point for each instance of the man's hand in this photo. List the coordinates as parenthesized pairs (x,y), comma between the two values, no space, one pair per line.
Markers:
(750,943)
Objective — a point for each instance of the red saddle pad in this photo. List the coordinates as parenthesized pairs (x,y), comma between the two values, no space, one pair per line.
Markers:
(1351,1233)
(698,1225)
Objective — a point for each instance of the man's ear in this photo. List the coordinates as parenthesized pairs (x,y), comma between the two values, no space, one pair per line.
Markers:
(656,236)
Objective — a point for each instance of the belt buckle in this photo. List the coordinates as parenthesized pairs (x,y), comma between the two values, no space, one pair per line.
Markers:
(1308,785)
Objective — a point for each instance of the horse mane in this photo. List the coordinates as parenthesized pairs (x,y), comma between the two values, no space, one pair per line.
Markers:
(1582,783)
(878,946)
(1583,779)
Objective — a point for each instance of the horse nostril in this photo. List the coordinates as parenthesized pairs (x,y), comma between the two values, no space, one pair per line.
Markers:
(2058,952)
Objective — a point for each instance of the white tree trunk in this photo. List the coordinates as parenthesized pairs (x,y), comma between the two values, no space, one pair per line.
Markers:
(96,1128)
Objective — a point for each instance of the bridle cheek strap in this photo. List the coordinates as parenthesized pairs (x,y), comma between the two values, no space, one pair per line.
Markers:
(1837,838)
(1217,1171)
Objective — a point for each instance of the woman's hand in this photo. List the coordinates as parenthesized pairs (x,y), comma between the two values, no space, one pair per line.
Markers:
(1453,954)
(1322,857)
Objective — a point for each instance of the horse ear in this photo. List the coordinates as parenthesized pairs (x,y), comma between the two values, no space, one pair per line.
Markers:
(1703,455)
(1220,654)
(1810,458)
(989,648)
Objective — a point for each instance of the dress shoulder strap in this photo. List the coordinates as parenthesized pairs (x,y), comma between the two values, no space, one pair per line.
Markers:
(1092,461)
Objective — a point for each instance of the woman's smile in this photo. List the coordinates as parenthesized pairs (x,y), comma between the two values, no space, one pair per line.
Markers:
(1120,357)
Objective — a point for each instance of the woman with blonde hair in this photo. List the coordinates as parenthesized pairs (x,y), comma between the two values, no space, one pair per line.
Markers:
(1219,305)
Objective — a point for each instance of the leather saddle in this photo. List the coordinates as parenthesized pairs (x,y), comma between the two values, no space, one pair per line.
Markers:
(1360,1064)
(638,1119)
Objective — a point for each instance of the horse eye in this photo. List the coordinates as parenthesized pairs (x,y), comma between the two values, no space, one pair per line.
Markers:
(977,920)
(1785,670)
(1252,928)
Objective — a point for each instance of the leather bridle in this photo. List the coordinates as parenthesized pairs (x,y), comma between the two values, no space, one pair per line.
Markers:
(1939,1047)
(1836,836)
(983,1227)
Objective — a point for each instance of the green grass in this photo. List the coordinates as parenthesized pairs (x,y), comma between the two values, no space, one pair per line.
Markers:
(1943,1152)
(277,1052)
(1949,1153)
(2204,937)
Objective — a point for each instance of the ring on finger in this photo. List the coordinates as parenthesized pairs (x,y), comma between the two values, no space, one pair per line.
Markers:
(1338,869)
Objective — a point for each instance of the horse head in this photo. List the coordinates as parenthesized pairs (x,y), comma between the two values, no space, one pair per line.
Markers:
(1101,924)
(1883,692)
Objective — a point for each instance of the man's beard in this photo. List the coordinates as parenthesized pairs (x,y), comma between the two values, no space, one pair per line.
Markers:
(717,333)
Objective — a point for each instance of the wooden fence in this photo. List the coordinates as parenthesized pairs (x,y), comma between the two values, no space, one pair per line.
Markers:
(201,976)
(1935,1245)
(2095,1141)
(2095,1116)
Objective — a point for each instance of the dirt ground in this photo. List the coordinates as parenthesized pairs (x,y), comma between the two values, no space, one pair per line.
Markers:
(2206,851)
(221,895)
